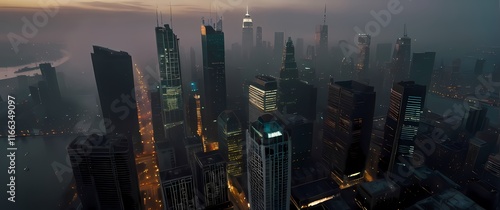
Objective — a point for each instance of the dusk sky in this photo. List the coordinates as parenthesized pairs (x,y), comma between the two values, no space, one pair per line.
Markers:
(405,115)
(129,25)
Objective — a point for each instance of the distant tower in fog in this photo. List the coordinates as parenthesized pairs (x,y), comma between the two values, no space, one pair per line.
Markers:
(347,68)
(258,38)
(422,66)
(364,41)
(401,58)
(247,39)
(49,75)
(299,48)
(479,66)
(321,37)
(279,44)
(289,75)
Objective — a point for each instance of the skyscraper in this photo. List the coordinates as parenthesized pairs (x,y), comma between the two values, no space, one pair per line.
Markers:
(294,96)
(262,97)
(117,95)
(422,66)
(269,165)
(401,58)
(299,48)
(347,68)
(321,37)
(300,131)
(49,75)
(479,66)
(289,75)
(156,114)
(231,142)
(363,65)
(279,44)
(383,54)
(194,111)
(178,188)
(167,45)
(403,117)
(247,38)
(258,38)
(475,118)
(211,178)
(105,173)
(347,130)
(214,77)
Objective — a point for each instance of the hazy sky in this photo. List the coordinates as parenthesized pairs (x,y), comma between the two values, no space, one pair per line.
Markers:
(129,25)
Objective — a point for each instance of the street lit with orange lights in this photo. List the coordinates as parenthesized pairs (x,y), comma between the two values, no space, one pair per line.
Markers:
(146,162)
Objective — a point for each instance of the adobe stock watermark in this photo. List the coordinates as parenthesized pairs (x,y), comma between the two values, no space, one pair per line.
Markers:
(48,9)
(381,19)
(222,6)
(121,106)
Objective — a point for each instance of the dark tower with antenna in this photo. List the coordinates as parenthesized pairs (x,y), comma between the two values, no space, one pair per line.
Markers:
(172,104)
(321,38)
(214,78)
(401,58)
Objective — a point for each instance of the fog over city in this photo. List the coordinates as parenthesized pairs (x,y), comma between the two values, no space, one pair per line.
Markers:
(250,104)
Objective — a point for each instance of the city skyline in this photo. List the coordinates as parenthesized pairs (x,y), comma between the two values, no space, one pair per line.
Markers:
(327,105)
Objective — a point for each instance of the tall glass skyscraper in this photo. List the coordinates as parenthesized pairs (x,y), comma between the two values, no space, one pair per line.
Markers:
(403,117)
(269,153)
(214,78)
(105,173)
(231,141)
(108,66)
(167,45)
(347,130)
(262,97)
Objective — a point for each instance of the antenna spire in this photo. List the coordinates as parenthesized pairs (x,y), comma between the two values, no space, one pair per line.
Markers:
(405,32)
(324,16)
(161,18)
(247,9)
(157,24)
(171,24)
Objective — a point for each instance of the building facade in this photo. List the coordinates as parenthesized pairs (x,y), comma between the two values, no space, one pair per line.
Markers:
(269,165)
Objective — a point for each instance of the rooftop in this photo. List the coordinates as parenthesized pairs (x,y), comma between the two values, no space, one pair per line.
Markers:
(209,158)
(449,199)
(175,173)
(314,191)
